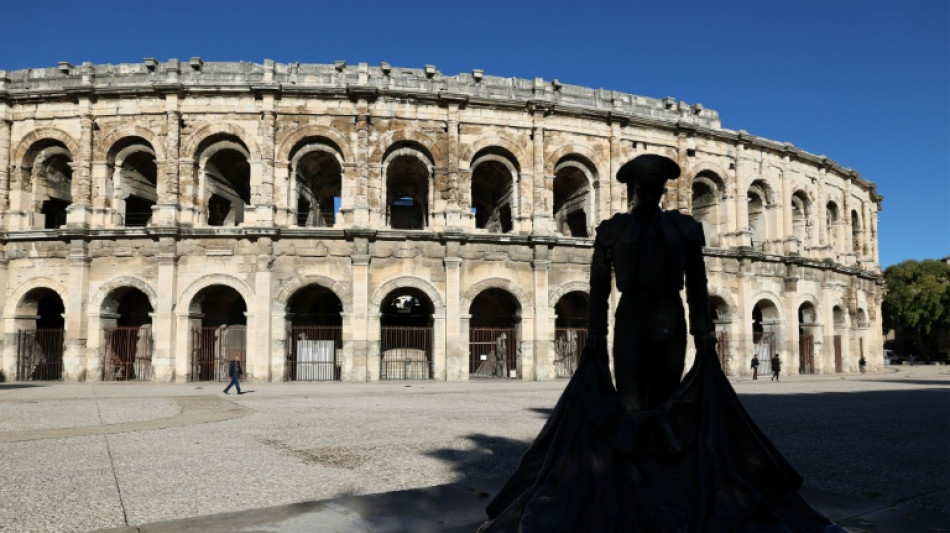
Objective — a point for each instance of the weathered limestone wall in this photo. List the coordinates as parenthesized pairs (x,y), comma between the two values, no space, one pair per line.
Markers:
(788,232)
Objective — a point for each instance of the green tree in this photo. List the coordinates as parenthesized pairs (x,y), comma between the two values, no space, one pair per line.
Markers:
(917,303)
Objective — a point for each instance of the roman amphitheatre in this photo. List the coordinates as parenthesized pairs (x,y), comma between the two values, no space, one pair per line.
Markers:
(371,222)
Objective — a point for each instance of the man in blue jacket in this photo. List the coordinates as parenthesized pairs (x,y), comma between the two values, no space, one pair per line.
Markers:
(234,372)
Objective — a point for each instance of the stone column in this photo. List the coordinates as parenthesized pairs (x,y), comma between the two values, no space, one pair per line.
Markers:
(543,331)
(456,352)
(264,208)
(362,202)
(821,210)
(7,356)
(452,196)
(165,211)
(791,242)
(164,321)
(259,354)
(615,188)
(542,219)
(5,151)
(190,211)
(79,210)
(77,291)
(360,318)
(744,346)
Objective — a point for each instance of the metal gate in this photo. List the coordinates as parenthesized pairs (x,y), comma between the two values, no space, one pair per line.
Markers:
(722,350)
(405,352)
(313,353)
(806,354)
(128,354)
(568,345)
(212,348)
(39,354)
(763,344)
(493,352)
(839,364)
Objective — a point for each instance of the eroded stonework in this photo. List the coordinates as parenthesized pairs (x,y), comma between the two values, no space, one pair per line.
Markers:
(389,223)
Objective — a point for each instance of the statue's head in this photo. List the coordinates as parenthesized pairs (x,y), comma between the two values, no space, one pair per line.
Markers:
(646,177)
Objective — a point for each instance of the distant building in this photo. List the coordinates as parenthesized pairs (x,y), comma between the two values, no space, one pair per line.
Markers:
(363,223)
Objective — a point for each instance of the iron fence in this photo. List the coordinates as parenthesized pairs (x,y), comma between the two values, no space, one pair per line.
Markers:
(128,354)
(39,354)
(568,345)
(493,352)
(806,354)
(213,348)
(405,352)
(313,353)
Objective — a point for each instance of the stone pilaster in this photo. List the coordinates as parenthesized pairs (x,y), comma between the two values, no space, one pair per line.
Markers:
(359,321)
(543,333)
(78,212)
(259,354)
(362,201)
(165,212)
(5,150)
(164,321)
(542,216)
(453,207)
(615,188)
(456,351)
(264,208)
(77,290)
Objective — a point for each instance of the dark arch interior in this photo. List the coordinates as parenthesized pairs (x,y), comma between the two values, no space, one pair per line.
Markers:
(495,308)
(407,193)
(49,309)
(319,182)
(570,198)
(492,189)
(229,187)
(571,310)
(221,305)
(315,306)
(718,309)
(133,308)
(406,307)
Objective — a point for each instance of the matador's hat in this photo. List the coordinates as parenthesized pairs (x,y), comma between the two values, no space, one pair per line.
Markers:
(649,168)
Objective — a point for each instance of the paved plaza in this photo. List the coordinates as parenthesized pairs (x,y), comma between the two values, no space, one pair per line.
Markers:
(87,456)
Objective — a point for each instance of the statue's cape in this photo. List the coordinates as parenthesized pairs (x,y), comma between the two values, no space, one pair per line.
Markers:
(697,463)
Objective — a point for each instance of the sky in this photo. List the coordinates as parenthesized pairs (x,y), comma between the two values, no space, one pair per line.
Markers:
(866,83)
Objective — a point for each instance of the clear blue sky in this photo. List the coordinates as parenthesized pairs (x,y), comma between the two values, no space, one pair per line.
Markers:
(865,83)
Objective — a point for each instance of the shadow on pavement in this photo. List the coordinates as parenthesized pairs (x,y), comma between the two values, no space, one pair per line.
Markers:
(11,386)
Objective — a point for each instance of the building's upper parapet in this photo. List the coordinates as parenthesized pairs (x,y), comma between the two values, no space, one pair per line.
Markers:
(362,80)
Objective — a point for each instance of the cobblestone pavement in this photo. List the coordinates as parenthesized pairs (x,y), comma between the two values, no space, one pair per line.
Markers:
(84,456)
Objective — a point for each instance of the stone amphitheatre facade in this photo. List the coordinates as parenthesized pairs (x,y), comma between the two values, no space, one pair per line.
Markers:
(360,223)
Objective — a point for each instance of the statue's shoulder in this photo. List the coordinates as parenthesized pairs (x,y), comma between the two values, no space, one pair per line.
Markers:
(688,226)
(609,230)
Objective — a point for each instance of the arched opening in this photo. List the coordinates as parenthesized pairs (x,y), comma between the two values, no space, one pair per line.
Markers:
(570,332)
(219,331)
(493,190)
(856,232)
(47,178)
(134,179)
(707,196)
(838,315)
(831,223)
(757,201)
(127,329)
(40,333)
(800,214)
(226,174)
(494,334)
(408,174)
(572,204)
(314,335)
(319,178)
(719,311)
(807,328)
(765,325)
(405,337)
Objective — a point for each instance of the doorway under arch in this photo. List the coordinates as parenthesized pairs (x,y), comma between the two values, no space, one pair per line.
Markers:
(314,335)
(405,335)
(570,332)
(494,334)
(807,323)
(40,325)
(219,332)
(127,329)
(765,318)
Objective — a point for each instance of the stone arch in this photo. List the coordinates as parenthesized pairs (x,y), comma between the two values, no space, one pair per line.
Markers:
(290,287)
(579,152)
(723,294)
(98,300)
(204,132)
(707,167)
(762,187)
(316,146)
(296,137)
(773,299)
(515,150)
(40,282)
(114,136)
(437,151)
(185,300)
(571,286)
(807,298)
(527,310)
(40,134)
(400,282)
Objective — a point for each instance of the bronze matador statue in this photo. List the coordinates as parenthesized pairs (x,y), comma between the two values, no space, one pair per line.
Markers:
(655,453)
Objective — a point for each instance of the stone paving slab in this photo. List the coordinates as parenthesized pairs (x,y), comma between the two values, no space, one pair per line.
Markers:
(355,446)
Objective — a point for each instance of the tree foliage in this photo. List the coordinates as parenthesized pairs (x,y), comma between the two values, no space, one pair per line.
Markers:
(917,303)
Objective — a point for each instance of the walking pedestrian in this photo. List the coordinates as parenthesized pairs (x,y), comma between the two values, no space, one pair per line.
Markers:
(776,367)
(755,367)
(862,364)
(235,371)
